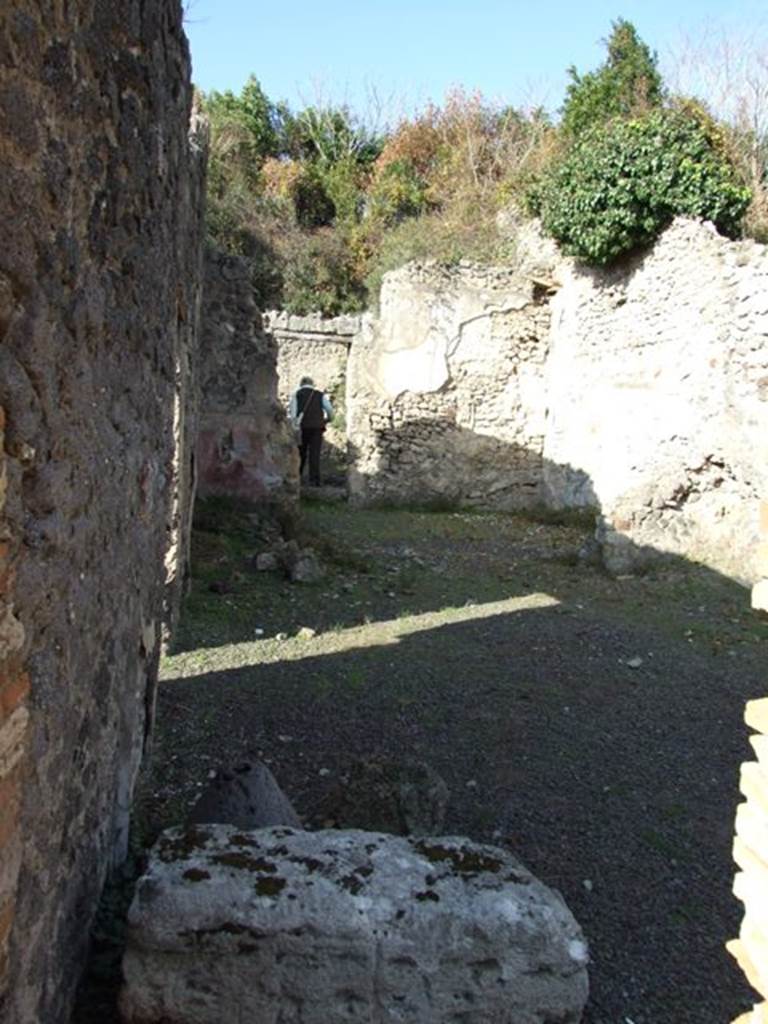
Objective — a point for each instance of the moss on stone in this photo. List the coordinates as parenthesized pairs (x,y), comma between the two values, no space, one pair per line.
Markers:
(239,839)
(270,886)
(196,875)
(178,847)
(463,861)
(244,861)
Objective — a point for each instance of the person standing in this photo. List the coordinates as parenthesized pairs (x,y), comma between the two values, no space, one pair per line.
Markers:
(310,410)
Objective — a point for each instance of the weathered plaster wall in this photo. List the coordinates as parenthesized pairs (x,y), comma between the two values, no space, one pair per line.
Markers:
(99,201)
(244,447)
(657,388)
(445,398)
(643,392)
(318,347)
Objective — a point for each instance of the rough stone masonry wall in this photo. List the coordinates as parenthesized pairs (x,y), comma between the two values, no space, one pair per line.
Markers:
(317,347)
(99,201)
(750,848)
(445,398)
(244,446)
(657,387)
(186,403)
(647,397)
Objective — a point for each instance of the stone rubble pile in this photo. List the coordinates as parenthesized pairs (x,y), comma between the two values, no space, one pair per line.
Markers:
(299,565)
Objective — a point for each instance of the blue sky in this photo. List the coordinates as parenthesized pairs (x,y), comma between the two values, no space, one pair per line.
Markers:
(406,52)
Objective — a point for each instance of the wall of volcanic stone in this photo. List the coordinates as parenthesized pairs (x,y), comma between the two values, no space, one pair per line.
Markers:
(100,205)
(244,446)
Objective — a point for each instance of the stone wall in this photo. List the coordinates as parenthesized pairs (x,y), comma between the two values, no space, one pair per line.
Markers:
(642,392)
(750,848)
(100,201)
(186,400)
(657,388)
(317,347)
(244,448)
(445,390)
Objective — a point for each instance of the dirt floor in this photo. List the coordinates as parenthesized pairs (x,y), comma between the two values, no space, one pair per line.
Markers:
(591,725)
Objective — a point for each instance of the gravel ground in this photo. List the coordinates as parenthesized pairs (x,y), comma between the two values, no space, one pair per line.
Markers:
(591,725)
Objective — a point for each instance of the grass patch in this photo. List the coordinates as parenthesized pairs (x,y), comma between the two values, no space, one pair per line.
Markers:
(579,518)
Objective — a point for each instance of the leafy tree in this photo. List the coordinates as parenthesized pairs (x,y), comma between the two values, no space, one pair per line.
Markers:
(244,132)
(320,275)
(622,183)
(332,134)
(314,208)
(344,183)
(261,118)
(398,191)
(626,84)
(727,70)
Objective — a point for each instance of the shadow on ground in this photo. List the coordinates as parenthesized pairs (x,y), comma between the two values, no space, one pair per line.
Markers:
(615,784)
(592,725)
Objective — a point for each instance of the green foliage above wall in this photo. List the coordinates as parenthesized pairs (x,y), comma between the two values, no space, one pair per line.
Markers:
(323,204)
(623,182)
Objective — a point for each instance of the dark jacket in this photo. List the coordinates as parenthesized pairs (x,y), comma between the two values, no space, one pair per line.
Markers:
(309,405)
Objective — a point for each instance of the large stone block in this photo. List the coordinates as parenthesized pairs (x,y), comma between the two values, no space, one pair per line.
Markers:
(312,928)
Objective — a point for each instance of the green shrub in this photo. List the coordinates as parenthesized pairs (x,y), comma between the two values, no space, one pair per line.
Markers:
(319,274)
(343,184)
(622,183)
(240,223)
(314,208)
(465,229)
(398,192)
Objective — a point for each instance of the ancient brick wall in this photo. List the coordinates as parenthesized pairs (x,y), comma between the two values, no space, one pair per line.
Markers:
(100,205)
(317,347)
(244,446)
(750,848)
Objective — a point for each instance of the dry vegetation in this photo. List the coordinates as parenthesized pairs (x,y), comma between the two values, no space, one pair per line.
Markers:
(323,202)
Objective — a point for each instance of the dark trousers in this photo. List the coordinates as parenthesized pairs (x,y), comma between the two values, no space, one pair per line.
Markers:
(310,445)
